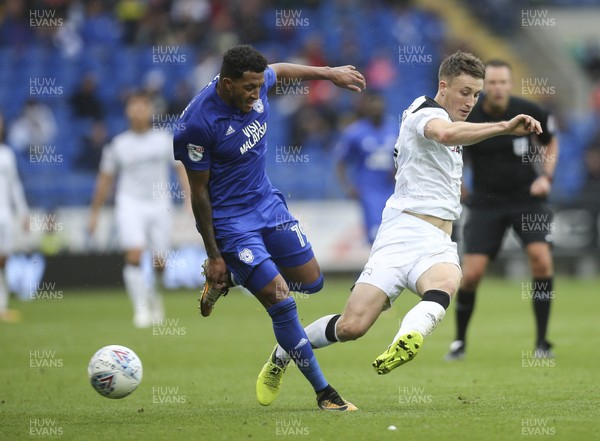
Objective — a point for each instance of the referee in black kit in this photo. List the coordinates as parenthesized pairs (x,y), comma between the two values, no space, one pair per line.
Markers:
(512,177)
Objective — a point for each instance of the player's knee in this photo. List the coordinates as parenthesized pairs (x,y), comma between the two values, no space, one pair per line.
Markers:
(316,286)
(541,266)
(279,291)
(132,259)
(470,279)
(347,330)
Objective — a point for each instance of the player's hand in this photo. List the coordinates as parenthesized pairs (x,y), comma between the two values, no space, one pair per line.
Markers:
(348,77)
(522,125)
(540,187)
(216,272)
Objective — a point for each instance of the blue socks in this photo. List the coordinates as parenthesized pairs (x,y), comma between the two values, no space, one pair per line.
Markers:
(291,337)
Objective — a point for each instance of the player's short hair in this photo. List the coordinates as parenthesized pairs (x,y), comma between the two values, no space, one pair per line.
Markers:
(242,58)
(497,62)
(461,63)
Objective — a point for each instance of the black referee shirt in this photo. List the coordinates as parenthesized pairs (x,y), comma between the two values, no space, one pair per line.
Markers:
(505,166)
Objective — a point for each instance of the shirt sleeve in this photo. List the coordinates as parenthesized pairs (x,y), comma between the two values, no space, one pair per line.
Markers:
(108,163)
(192,147)
(270,77)
(420,119)
(548,127)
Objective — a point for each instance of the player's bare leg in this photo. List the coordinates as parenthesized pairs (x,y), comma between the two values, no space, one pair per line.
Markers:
(473,267)
(436,286)
(306,274)
(363,308)
(137,288)
(542,292)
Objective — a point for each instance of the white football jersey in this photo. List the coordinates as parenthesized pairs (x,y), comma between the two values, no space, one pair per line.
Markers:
(12,197)
(142,162)
(428,174)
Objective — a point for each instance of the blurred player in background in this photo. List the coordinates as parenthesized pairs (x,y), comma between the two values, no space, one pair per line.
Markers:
(244,221)
(141,158)
(512,177)
(363,160)
(413,248)
(13,207)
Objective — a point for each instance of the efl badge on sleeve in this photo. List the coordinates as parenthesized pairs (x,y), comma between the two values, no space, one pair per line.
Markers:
(195,152)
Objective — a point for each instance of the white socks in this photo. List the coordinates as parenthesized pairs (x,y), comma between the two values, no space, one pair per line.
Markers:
(155,300)
(424,317)
(3,292)
(316,336)
(139,293)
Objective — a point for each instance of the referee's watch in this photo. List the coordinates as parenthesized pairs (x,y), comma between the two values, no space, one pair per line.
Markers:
(549,176)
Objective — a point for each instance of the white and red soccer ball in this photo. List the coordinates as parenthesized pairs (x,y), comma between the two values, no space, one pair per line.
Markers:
(115,371)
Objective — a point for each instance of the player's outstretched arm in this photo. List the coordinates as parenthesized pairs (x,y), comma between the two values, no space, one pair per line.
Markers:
(346,77)
(216,270)
(466,133)
(542,186)
(183,181)
(103,187)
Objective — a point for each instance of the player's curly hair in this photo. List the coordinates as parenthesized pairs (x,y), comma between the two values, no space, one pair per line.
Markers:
(242,58)
(461,63)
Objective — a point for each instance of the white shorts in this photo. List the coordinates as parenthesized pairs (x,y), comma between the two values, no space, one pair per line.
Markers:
(405,247)
(143,225)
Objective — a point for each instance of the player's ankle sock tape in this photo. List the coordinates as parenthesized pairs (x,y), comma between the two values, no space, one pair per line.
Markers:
(330,333)
(311,288)
(326,390)
(437,296)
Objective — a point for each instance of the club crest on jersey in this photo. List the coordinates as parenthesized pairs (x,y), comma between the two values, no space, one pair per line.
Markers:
(246,255)
(195,152)
(258,106)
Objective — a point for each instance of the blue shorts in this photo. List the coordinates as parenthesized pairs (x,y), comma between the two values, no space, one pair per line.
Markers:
(255,244)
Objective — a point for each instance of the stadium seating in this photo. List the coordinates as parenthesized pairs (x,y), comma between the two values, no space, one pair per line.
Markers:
(119,67)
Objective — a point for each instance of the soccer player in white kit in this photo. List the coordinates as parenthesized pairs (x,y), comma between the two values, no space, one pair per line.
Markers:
(13,208)
(413,248)
(141,158)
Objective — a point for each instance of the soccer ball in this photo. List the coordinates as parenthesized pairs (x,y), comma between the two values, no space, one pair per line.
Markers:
(115,371)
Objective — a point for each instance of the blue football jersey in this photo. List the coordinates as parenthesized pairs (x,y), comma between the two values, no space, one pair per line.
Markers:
(231,144)
(369,150)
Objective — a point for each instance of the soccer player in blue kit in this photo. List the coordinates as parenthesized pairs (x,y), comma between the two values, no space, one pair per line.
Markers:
(247,230)
(365,149)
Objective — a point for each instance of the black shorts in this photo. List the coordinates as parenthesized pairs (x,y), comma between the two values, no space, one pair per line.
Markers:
(485,227)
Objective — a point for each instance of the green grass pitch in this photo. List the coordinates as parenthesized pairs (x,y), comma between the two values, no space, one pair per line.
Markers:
(200,373)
